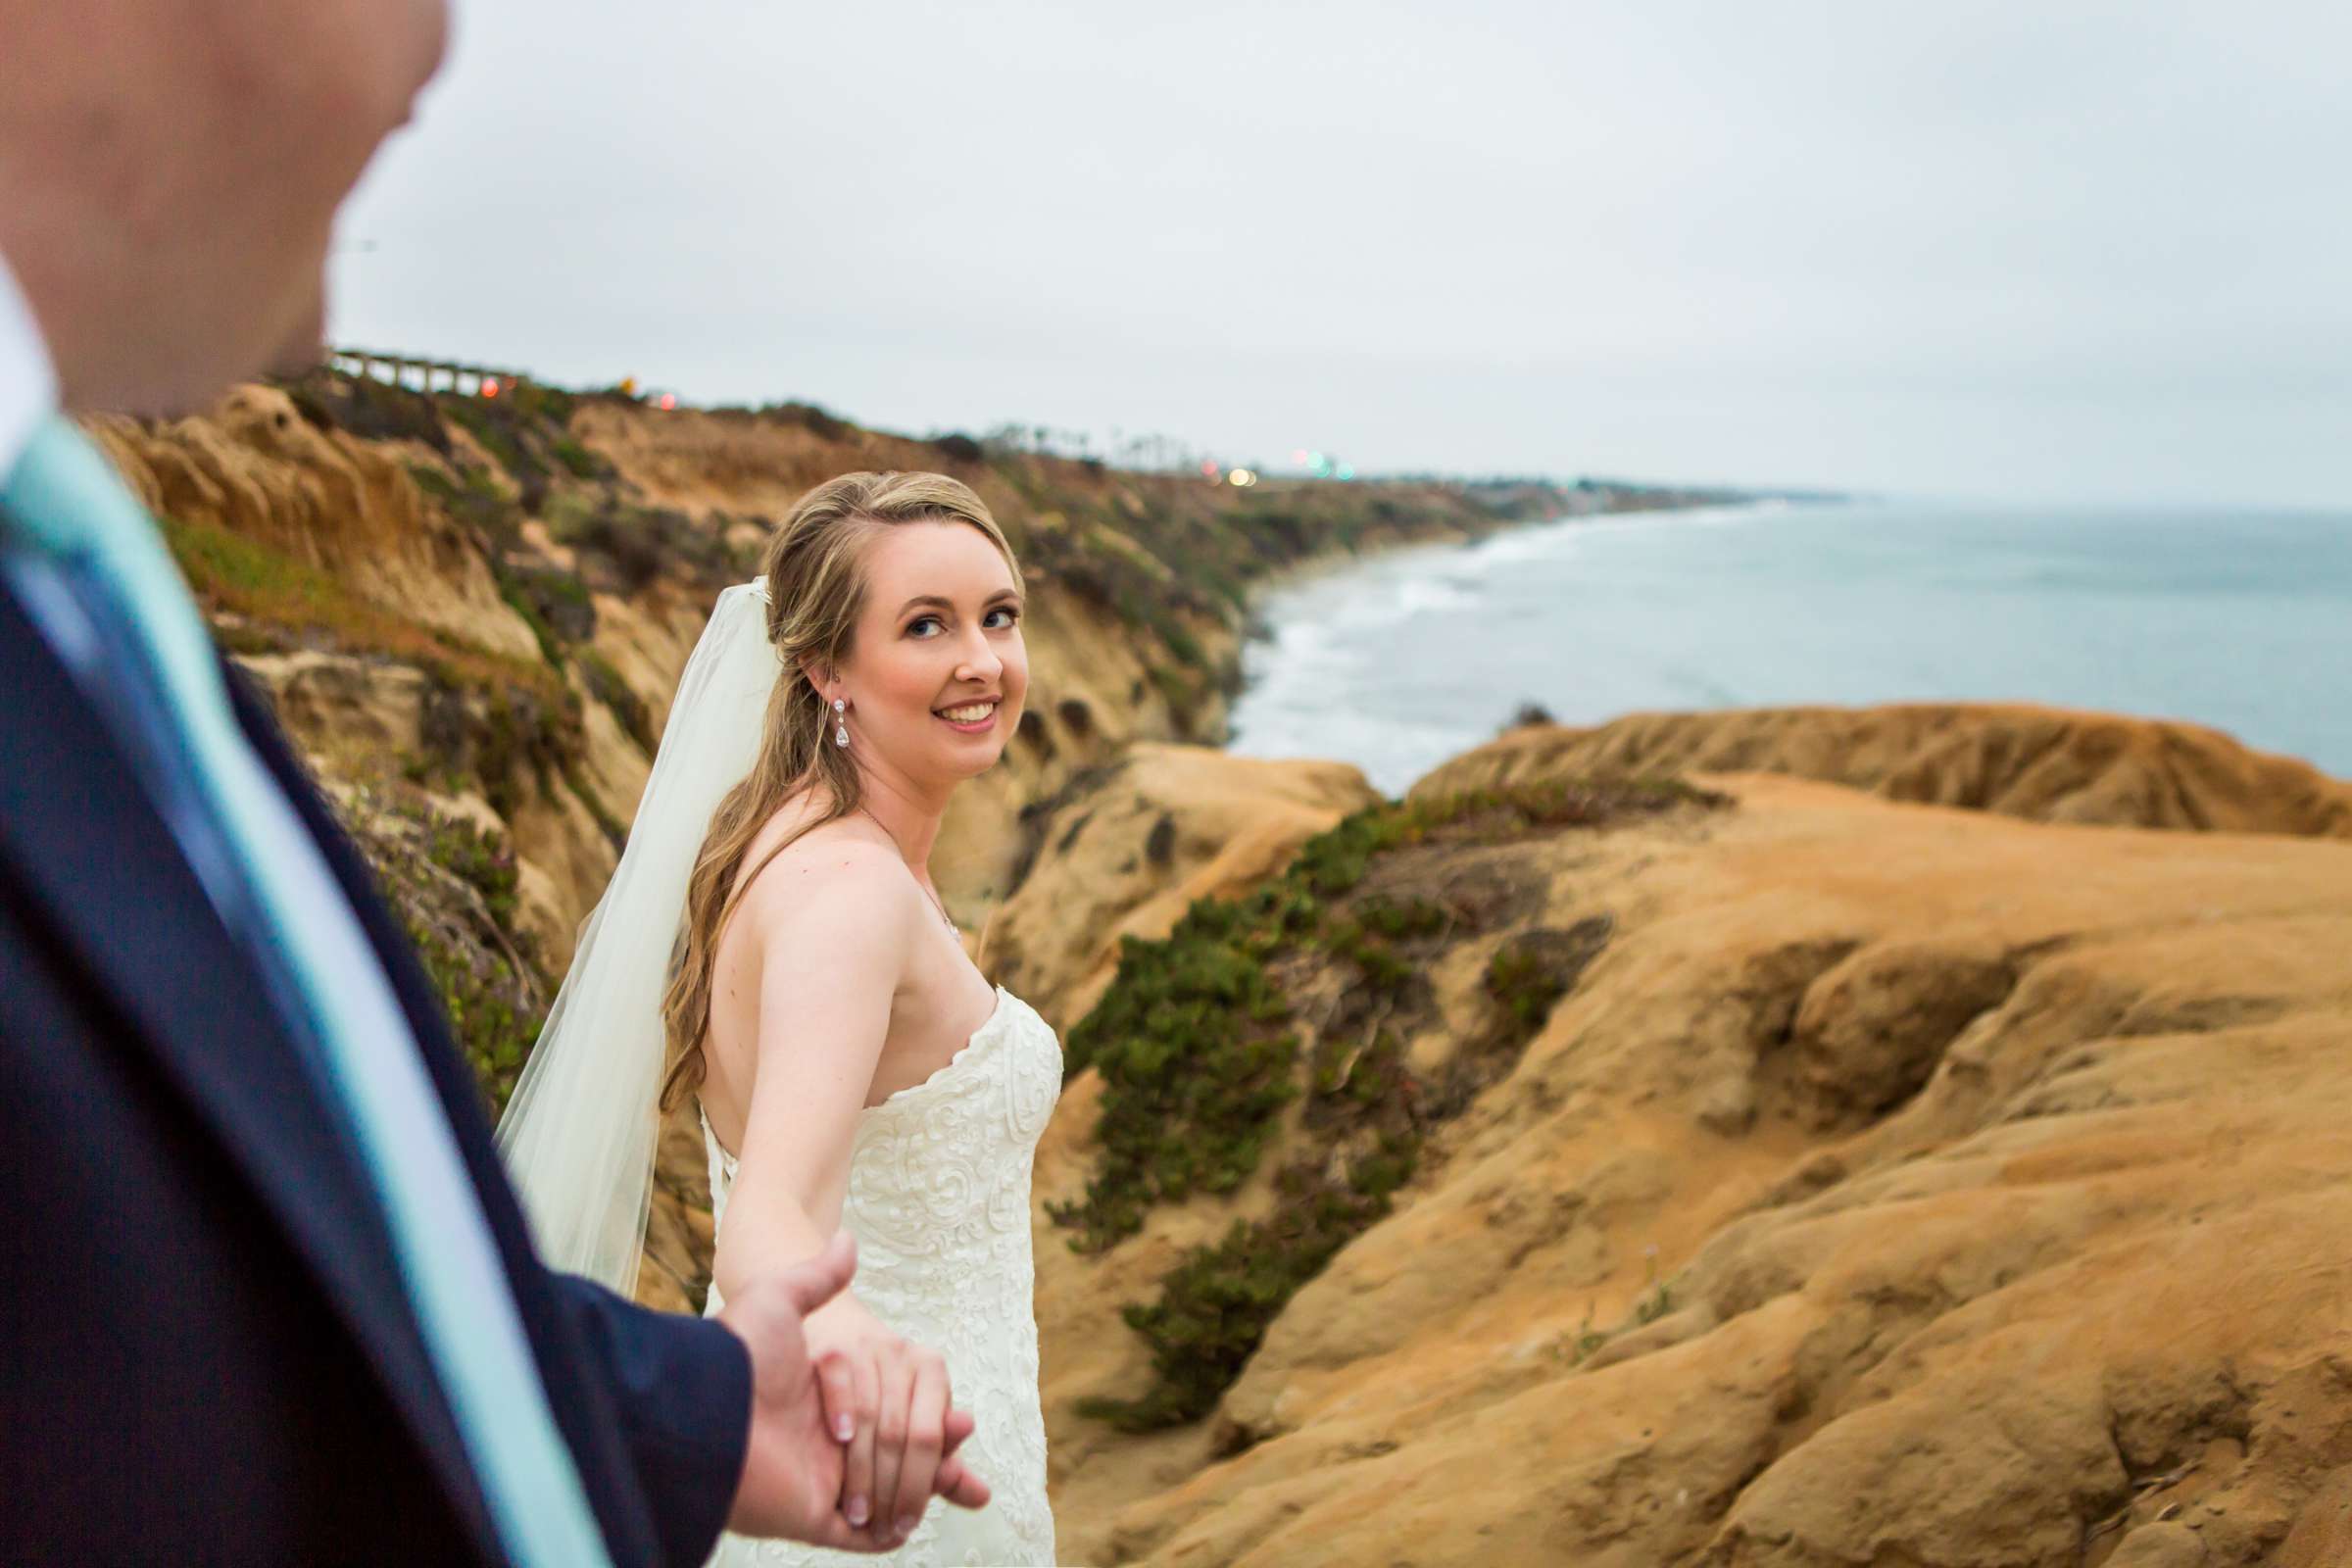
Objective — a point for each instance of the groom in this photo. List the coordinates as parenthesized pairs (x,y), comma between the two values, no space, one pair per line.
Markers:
(265,1296)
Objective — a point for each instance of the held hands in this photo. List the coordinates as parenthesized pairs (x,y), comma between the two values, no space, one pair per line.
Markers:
(825,1436)
(889,1401)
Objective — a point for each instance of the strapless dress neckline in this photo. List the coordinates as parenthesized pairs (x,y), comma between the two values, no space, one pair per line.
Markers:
(963,1062)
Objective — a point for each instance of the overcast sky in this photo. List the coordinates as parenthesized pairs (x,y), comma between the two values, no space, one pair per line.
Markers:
(2042,250)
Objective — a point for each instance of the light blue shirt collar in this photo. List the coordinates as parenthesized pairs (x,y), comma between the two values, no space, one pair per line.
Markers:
(27,377)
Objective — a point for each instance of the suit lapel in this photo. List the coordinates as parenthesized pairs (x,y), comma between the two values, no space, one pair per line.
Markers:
(112,883)
(589,1422)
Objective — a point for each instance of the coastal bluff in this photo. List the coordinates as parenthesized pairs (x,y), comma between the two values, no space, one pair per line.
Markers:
(478,608)
(2020,760)
(471,611)
(1881,1181)
(1886,1137)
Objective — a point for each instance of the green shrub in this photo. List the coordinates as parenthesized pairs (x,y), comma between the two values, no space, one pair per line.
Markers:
(615,832)
(369,408)
(1524,985)
(578,461)
(495,1034)
(1214,1306)
(1654,1306)
(521,604)
(1195,1066)
(484,967)
(635,544)
(607,686)
(1193,1044)
(1656,1302)
(475,500)
(497,734)
(480,859)
(535,401)
(1410,920)
(433,482)
(808,417)
(1335,862)
(501,429)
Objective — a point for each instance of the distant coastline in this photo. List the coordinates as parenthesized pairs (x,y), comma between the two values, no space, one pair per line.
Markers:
(2214,619)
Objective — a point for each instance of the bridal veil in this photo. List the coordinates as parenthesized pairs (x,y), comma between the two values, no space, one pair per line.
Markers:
(579,1135)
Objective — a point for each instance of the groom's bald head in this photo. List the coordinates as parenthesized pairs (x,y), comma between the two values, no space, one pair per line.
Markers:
(169,171)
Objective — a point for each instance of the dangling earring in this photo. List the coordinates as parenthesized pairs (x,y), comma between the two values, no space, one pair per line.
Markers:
(841,722)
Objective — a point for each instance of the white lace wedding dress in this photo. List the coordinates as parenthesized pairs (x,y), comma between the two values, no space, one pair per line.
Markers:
(939,1202)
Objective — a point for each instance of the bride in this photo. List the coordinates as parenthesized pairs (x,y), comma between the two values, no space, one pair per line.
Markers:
(854,1069)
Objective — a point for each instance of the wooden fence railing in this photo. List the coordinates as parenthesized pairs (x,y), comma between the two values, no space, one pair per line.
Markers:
(422,374)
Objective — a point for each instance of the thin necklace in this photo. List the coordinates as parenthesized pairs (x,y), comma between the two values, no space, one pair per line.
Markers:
(918,881)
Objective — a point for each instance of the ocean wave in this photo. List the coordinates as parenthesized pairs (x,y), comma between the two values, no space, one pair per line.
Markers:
(1377,605)
(1520,545)
(1435,596)
(1299,648)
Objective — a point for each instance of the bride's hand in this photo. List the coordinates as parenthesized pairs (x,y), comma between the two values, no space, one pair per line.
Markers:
(894,1398)
(795,1462)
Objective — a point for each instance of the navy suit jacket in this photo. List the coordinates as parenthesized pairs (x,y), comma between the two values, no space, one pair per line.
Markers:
(208,1354)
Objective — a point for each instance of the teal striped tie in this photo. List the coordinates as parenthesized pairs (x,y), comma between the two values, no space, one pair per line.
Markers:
(65,498)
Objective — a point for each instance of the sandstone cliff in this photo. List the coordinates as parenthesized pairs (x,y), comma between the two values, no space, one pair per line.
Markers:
(488,602)
(1908,1138)
(471,613)
(1133,845)
(1889,1183)
(2040,762)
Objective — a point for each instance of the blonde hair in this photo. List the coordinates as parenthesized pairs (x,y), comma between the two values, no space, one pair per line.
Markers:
(817,583)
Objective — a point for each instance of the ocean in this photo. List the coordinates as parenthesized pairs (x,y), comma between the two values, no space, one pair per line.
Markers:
(2239,620)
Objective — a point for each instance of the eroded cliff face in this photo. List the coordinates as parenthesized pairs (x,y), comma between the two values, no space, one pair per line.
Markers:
(257,470)
(2049,764)
(488,603)
(1133,845)
(472,615)
(1914,1137)
(1891,1182)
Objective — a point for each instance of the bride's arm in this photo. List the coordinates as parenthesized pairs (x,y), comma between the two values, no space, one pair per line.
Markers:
(833,939)
(834,930)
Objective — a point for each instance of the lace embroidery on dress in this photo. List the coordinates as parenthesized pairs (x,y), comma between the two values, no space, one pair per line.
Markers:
(937,1198)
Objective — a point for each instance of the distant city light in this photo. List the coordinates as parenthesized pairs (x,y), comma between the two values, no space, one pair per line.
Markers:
(670,401)
(489,386)
(1242,477)
(1346,472)
(1299,457)
(1209,468)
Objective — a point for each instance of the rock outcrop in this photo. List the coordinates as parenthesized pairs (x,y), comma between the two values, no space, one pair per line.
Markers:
(257,470)
(2045,764)
(1896,1184)
(1133,845)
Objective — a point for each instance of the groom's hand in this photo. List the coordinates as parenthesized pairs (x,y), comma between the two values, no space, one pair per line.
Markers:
(793,1467)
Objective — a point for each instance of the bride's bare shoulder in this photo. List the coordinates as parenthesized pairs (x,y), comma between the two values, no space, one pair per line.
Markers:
(845,861)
